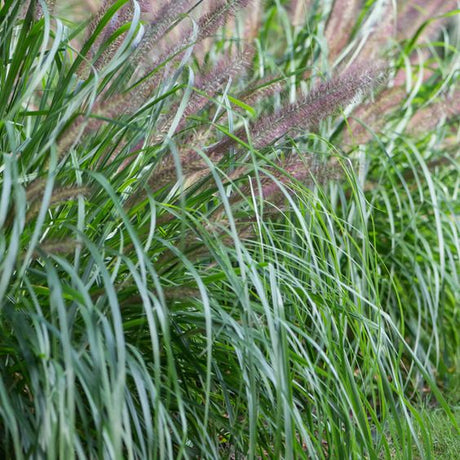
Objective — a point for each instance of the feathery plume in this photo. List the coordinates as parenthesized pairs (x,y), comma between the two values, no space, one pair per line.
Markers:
(212,82)
(131,101)
(382,33)
(206,87)
(38,10)
(80,127)
(307,113)
(121,17)
(157,28)
(373,115)
(297,11)
(64,247)
(83,70)
(262,90)
(412,15)
(59,195)
(320,103)
(426,118)
(218,16)
(340,24)
(253,20)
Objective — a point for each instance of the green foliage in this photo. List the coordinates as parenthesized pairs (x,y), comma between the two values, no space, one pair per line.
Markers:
(227,245)
(445,439)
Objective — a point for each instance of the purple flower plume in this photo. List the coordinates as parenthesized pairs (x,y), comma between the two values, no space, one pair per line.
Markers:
(323,101)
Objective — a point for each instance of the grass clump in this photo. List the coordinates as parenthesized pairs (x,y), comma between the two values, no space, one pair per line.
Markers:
(224,234)
(444,436)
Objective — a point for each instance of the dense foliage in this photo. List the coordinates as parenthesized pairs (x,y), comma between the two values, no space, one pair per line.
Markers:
(229,229)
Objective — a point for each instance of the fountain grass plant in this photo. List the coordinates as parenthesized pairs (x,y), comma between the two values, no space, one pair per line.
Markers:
(228,232)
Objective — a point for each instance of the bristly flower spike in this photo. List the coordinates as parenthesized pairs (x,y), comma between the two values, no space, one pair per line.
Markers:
(320,103)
